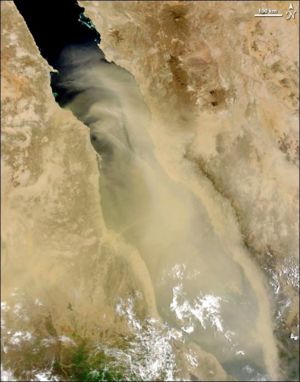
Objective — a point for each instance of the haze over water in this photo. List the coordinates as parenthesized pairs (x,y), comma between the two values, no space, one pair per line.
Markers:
(205,287)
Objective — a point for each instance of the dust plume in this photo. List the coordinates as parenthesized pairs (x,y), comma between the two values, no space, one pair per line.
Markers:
(208,289)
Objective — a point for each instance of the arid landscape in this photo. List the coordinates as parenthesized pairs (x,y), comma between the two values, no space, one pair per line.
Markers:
(150,222)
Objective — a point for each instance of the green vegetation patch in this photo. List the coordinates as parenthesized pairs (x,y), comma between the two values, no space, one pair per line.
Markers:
(88,366)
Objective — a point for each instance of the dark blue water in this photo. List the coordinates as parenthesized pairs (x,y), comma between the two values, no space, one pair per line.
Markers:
(56,26)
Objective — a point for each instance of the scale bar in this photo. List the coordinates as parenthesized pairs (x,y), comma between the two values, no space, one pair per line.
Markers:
(275,15)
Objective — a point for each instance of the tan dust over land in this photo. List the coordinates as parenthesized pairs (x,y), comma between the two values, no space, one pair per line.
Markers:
(220,170)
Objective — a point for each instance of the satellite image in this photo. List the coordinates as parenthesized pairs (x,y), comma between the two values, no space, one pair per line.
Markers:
(149,190)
